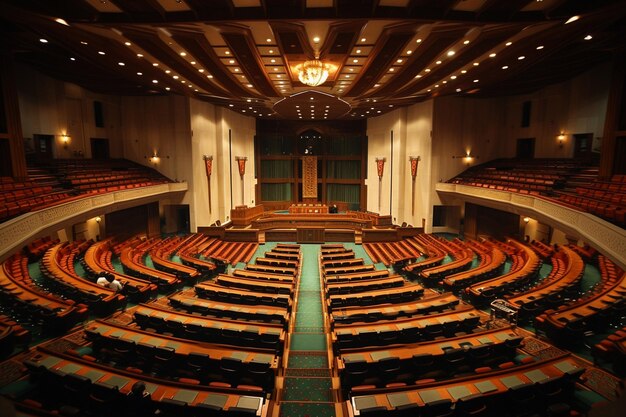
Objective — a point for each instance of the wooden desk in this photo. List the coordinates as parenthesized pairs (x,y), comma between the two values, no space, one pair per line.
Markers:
(244,215)
(261,314)
(272,269)
(214,291)
(364,285)
(387,295)
(439,302)
(494,386)
(348,269)
(196,327)
(356,276)
(131,263)
(193,395)
(260,284)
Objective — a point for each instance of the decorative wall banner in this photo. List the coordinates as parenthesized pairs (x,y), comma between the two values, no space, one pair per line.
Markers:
(241,163)
(414,160)
(309,177)
(208,165)
(380,167)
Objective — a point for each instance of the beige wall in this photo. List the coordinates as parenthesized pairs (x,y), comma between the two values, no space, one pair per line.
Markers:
(210,126)
(575,106)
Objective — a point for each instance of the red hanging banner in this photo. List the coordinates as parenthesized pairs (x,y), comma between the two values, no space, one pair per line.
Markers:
(241,162)
(208,163)
(380,166)
(414,162)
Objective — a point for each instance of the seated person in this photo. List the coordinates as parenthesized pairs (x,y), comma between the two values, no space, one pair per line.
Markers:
(140,401)
(109,281)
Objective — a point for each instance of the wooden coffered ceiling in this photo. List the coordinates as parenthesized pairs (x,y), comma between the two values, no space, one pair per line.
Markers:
(243,54)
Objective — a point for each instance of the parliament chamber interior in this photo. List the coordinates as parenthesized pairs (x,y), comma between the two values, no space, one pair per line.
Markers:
(312,208)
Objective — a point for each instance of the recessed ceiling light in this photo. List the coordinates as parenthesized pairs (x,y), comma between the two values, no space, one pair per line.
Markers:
(376,85)
(347,75)
(175,77)
(140,73)
(351,69)
(358,51)
(183,54)
(271,51)
(193,62)
(391,105)
(521,57)
(436,85)
(363,39)
(463,71)
(167,71)
(155,81)
(140,55)
(72,59)
(492,55)
(418,76)
(451,53)
(231,105)
(61,21)
(466,41)
(316,39)
(427,70)
(101,53)
(83,43)
(268,40)
(476,64)
(453,77)
(236,69)
(505,67)
(167,88)
(272,60)
(127,43)
(121,64)
(509,43)
(183,81)
(355,61)
(572,19)
(458,90)
(391,69)
(156,64)
(312,98)
(227,52)
(540,47)
(209,76)
(409,52)
(399,61)
(588,37)
(200,69)
(476,81)
(438,62)
(418,40)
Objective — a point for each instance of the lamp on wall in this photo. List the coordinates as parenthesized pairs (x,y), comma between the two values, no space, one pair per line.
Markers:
(65,138)
(468,158)
(526,219)
(208,165)
(561,139)
(98,219)
(154,159)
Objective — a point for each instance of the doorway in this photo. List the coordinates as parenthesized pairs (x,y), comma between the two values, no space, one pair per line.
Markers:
(100,148)
(525,148)
(583,145)
(42,147)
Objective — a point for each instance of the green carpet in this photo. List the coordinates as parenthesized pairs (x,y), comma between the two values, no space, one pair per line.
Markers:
(298,409)
(359,252)
(117,265)
(308,386)
(591,277)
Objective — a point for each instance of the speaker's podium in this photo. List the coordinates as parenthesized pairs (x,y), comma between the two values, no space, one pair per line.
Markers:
(310,234)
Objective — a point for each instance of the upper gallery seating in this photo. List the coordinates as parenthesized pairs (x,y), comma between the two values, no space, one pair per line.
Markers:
(570,182)
(62,180)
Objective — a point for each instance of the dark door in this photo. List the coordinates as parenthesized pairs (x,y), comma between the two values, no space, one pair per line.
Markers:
(99,148)
(525,148)
(5,158)
(42,147)
(583,145)
(619,161)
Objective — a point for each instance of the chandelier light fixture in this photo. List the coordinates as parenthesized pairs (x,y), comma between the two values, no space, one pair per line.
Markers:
(313,72)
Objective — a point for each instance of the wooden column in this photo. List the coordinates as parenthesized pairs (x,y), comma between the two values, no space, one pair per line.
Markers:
(153,223)
(12,114)
(614,108)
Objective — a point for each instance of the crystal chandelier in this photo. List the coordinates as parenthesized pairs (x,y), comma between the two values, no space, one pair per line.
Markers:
(313,72)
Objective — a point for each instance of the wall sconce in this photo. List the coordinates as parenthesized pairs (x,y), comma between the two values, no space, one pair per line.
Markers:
(154,159)
(526,219)
(468,158)
(561,139)
(65,138)
(98,219)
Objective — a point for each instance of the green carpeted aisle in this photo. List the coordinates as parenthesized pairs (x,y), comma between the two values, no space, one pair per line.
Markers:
(307,389)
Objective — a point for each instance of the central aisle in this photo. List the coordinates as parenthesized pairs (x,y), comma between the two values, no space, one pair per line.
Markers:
(307,387)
